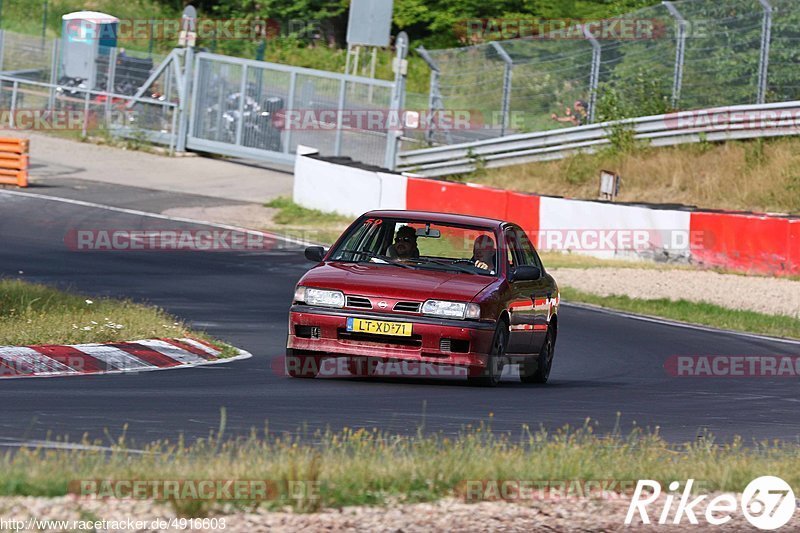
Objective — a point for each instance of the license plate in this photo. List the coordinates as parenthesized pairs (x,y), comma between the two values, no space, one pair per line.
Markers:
(379,327)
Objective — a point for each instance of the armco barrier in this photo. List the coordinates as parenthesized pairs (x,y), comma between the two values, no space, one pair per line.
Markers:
(14,161)
(737,241)
(757,243)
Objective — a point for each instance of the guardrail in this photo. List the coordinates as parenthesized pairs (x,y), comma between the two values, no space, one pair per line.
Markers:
(714,124)
(14,161)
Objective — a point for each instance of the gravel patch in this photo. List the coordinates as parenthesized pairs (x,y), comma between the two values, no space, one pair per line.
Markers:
(251,216)
(775,296)
(567,515)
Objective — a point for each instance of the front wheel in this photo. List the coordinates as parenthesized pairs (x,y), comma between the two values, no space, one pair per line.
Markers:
(543,365)
(490,375)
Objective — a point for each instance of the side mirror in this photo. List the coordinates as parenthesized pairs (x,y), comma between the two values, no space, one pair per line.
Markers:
(526,273)
(315,253)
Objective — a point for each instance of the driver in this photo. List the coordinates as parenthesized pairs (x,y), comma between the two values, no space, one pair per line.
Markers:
(484,252)
(405,244)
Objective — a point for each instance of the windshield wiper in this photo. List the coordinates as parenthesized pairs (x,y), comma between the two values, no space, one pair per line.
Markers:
(452,266)
(384,260)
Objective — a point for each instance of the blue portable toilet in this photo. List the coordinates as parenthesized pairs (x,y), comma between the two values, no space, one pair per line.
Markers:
(86,36)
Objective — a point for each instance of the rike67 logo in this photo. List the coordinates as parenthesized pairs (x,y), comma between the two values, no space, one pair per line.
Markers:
(767,502)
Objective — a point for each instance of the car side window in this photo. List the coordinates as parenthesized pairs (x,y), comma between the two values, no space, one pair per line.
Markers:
(526,249)
(514,257)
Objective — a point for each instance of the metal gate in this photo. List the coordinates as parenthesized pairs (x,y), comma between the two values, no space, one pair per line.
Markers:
(258,110)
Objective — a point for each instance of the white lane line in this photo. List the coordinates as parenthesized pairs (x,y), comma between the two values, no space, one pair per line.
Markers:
(27,360)
(668,322)
(172,351)
(114,357)
(201,346)
(284,238)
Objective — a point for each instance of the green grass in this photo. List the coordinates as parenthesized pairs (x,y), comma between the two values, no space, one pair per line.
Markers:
(369,467)
(306,224)
(36,314)
(292,213)
(695,313)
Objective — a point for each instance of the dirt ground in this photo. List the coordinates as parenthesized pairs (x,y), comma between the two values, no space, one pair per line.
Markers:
(550,514)
(761,294)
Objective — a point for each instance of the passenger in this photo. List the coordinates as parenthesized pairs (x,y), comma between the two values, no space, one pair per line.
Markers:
(405,244)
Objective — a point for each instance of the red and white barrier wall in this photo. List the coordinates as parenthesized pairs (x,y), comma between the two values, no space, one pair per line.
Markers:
(739,241)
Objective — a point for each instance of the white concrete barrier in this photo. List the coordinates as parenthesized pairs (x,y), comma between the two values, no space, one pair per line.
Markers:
(612,231)
(346,190)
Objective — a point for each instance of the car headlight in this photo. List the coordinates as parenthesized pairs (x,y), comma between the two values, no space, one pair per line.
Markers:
(451,309)
(319,297)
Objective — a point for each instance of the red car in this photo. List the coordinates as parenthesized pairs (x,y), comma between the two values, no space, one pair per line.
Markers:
(430,288)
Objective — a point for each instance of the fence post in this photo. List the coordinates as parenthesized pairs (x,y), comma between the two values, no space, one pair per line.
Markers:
(433,91)
(337,144)
(242,96)
(763,61)
(398,99)
(54,67)
(594,76)
(508,71)
(14,88)
(86,96)
(110,75)
(183,122)
(288,112)
(2,49)
(680,47)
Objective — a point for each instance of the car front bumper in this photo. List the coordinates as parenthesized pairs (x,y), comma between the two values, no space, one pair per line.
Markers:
(472,339)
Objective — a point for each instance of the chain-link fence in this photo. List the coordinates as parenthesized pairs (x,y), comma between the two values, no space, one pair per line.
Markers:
(38,92)
(678,55)
(245,105)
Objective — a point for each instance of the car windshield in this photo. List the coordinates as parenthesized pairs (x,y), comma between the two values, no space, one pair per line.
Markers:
(419,244)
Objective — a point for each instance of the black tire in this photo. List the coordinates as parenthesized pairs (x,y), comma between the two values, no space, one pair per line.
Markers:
(362,366)
(490,375)
(302,366)
(542,363)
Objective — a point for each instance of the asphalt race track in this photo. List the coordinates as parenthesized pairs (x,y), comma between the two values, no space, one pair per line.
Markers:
(604,364)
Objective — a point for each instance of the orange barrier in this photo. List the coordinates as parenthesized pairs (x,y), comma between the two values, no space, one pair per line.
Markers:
(14,161)
(434,195)
(745,242)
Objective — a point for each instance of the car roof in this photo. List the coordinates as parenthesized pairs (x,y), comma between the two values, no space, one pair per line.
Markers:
(444,218)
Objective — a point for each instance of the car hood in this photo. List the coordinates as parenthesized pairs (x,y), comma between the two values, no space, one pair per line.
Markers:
(365,279)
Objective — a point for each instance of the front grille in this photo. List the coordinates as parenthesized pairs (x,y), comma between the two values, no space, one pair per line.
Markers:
(358,302)
(407,307)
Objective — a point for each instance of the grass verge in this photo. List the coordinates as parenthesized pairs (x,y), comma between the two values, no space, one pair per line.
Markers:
(363,467)
(36,314)
(759,175)
(694,313)
(307,224)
